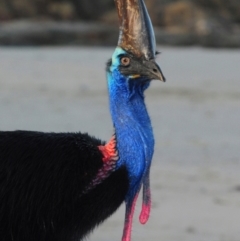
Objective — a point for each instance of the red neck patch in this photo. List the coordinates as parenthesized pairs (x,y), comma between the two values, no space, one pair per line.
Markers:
(109,150)
(110,157)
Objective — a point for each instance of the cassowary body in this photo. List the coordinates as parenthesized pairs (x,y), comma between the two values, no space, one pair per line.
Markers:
(43,186)
(60,186)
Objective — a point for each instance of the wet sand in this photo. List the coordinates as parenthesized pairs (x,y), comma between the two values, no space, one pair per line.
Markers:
(195,114)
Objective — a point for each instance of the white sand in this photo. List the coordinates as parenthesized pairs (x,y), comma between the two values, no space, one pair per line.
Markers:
(196,115)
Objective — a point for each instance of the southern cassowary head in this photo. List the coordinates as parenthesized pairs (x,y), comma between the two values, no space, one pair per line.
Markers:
(136,51)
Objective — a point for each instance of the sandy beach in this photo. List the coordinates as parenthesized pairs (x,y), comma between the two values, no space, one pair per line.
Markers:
(195,115)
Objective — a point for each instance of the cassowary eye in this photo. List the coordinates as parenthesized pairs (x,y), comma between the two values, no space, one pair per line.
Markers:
(125,61)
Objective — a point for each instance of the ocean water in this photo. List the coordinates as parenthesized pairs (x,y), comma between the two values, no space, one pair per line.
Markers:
(195,116)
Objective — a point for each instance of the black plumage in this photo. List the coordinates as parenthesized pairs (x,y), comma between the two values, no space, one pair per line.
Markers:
(42,181)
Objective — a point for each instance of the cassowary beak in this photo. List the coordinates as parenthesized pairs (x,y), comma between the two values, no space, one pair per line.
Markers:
(137,37)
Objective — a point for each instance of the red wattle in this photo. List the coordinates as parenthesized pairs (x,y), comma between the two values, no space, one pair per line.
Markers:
(145,213)
(146,204)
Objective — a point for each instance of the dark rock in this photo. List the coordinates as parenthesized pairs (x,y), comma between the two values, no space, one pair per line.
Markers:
(5,13)
(164,37)
(220,40)
(92,10)
(62,11)
(217,32)
(55,33)
(180,15)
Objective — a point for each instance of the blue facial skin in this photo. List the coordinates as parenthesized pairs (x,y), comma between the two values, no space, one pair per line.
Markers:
(135,141)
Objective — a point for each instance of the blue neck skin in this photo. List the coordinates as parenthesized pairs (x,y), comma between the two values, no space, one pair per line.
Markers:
(135,141)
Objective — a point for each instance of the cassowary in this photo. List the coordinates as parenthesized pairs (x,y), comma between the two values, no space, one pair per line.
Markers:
(59,186)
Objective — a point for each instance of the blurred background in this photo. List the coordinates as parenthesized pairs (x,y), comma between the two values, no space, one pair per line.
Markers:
(213,23)
(52,78)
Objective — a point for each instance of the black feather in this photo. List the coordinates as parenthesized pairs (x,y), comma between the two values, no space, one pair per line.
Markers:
(42,179)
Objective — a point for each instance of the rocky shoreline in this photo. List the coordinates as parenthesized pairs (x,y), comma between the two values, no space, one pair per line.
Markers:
(39,33)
